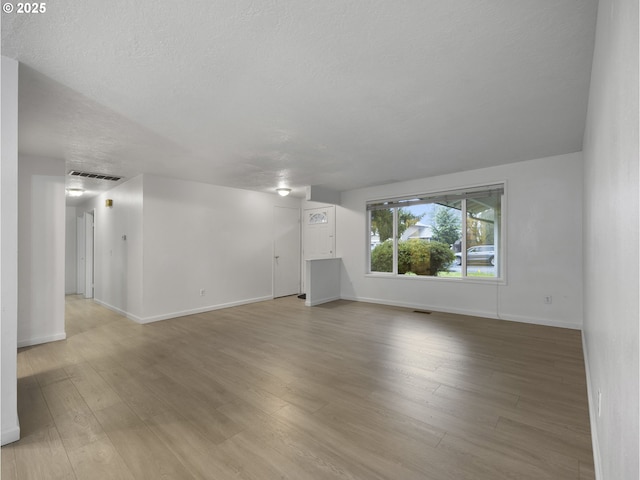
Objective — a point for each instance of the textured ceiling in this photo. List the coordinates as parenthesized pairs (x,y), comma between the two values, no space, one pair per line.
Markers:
(338,93)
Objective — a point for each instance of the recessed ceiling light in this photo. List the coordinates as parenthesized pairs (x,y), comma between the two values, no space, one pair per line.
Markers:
(283,192)
(75,192)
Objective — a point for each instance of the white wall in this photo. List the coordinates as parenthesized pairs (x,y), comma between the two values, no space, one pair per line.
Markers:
(70,265)
(322,280)
(611,241)
(194,236)
(543,238)
(9,249)
(118,262)
(199,236)
(41,250)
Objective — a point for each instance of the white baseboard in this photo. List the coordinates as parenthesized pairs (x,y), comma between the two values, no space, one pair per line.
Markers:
(10,435)
(28,342)
(182,313)
(314,302)
(593,414)
(472,313)
(124,313)
(420,306)
(539,321)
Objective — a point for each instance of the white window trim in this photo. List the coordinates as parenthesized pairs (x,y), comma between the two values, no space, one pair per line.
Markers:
(500,280)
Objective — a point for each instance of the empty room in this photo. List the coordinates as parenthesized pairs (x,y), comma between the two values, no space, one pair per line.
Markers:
(262,239)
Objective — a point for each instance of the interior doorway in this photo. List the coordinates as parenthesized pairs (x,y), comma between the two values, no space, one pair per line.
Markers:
(81,269)
(286,251)
(88,255)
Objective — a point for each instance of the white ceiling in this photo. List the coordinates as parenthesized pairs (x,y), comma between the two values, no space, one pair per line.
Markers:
(339,93)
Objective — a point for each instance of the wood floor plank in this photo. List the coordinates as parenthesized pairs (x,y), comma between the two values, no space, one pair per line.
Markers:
(129,388)
(575,445)
(42,455)
(194,408)
(480,456)
(373,422)
(587,471)
(48,361)
(90,451)
(63,398)
(463,411)
(98,460)
(33,412)
(251,459)
(190,378)
(382,451)
(8,468)
(78,429)
(487,397)
(95,391)
(531,386)
(318,459)
(522,449)
(195,451)
(144,453)
(253,394)
(26,375)
(278,390)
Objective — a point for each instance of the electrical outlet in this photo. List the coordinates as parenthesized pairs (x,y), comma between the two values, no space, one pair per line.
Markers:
(548,299)
(599,403)
(202,292)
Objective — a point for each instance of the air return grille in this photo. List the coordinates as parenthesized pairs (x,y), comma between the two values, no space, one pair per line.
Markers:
(97,176)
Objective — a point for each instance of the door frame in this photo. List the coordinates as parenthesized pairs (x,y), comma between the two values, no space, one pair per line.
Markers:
(89,256)
(332,220)
(80,254)
(275,253)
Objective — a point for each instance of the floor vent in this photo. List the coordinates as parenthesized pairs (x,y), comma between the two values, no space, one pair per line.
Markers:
(422,311)
(97,176)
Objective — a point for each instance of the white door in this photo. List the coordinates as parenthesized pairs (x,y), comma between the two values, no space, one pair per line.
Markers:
(88,256)
(80,232)
(286,251)
(319,238)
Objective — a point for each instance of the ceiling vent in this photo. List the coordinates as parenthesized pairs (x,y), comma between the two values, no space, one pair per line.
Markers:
(97,176)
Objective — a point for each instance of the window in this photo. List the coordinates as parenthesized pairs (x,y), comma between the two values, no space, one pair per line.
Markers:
(454,234)
(315,218)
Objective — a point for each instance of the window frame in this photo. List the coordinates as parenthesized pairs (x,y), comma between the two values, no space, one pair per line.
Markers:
(462,193)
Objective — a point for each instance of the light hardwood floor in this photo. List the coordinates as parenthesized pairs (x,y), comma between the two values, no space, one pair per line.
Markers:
(279,390)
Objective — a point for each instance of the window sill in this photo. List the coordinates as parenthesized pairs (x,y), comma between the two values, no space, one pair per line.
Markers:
(428,278)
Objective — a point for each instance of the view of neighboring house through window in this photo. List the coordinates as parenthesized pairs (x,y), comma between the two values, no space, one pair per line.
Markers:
(453,234)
